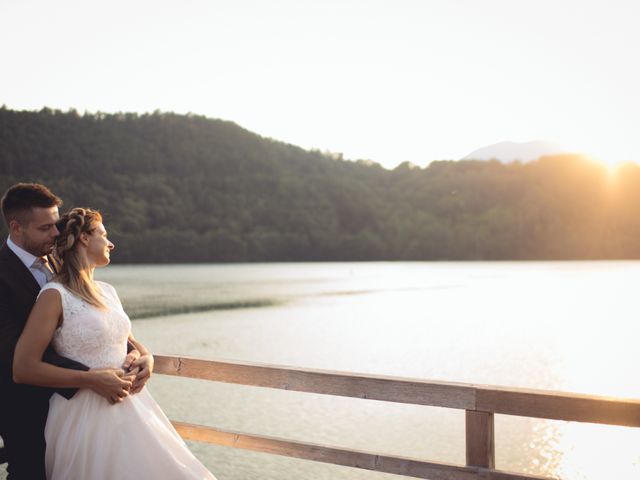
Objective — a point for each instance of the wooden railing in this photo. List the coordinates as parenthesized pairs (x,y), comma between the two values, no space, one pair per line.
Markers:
(480,403)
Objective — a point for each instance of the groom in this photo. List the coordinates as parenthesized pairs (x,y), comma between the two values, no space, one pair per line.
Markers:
(31,211)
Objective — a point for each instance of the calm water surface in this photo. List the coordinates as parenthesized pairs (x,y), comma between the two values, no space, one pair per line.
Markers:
(569,326)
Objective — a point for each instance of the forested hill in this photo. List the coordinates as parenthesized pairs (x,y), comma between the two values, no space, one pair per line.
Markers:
(178,188)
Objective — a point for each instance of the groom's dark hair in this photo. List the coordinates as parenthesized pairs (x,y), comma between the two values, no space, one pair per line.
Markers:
(20,198)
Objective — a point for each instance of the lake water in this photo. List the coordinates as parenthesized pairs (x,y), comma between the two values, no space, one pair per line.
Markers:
(570,326)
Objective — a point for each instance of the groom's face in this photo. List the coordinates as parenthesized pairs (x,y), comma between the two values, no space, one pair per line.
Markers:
(38,233)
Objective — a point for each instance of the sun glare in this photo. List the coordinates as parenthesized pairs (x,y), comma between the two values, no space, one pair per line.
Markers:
(612,164)
(612,153)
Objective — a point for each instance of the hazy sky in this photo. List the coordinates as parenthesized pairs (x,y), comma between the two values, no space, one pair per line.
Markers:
(383,80)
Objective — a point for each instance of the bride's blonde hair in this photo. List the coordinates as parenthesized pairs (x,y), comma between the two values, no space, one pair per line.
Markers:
(71,268)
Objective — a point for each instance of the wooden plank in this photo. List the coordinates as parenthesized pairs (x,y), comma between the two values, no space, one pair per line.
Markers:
(350,458)
(494,399)
(373,387)
(480,439)
(559,406)
(501,475)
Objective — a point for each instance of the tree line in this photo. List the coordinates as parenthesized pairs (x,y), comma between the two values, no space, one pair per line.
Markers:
(185,188)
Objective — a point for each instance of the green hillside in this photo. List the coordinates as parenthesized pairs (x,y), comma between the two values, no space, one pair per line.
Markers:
(176,188)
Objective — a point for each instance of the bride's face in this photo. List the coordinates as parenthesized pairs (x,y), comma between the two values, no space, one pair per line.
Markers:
(99,247)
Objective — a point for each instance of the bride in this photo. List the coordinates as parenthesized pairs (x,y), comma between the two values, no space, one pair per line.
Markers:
(88,437)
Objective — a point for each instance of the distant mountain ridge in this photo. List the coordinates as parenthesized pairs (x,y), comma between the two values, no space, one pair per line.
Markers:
(506,152)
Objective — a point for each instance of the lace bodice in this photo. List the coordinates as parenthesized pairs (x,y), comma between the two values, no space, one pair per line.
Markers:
(94,337)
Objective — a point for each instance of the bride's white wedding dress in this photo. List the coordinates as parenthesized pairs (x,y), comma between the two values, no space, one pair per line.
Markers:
(90,439)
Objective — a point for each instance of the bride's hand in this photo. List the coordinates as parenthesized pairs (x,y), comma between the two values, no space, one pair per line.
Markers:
(110,383)
(132,356)
(144,367)
(131,376)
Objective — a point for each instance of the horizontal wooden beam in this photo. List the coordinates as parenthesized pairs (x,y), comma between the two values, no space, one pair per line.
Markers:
(337,456)
(493,399)
(373,387)
(559,406)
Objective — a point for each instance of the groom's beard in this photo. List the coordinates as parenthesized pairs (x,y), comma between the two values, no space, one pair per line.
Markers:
(39,249)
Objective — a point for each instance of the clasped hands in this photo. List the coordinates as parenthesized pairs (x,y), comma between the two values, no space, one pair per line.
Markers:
(115,384)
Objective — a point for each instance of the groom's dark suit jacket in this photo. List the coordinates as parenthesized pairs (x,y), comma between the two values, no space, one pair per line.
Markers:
(23,408)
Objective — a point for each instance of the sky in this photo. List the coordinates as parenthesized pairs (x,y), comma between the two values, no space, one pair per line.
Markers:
(388,81)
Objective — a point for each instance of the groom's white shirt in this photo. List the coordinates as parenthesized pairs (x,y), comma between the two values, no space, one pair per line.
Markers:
(28,259)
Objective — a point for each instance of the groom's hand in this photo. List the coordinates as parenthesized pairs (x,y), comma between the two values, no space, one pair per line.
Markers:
(111,383)
(144,366)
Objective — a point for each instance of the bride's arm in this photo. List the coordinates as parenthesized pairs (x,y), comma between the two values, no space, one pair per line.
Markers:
(28,366)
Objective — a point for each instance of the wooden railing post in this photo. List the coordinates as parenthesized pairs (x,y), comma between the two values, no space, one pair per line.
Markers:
(481,451)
